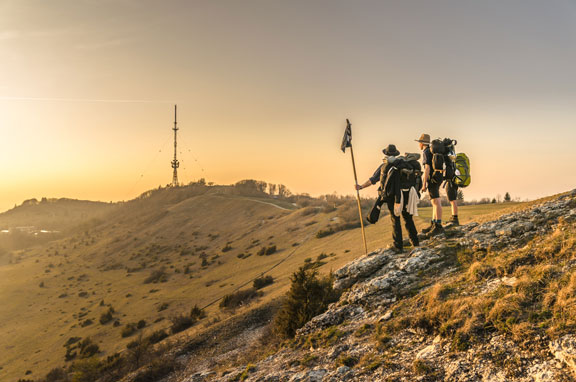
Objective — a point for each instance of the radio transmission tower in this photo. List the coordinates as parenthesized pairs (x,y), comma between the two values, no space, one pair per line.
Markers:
(175,162)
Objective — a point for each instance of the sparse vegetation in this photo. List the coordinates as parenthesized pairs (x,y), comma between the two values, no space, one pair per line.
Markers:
(239,298)
(266,251)
(87,348)
(163,306)
(181,323)
(308,296)
(134,242)
(157,370)
(197,313)
(157,276)
(531,295)
(107,316)
(157,336)
(262,282)
(129,329)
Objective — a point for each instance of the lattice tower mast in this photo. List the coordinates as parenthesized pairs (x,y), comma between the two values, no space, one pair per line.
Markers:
(175,162)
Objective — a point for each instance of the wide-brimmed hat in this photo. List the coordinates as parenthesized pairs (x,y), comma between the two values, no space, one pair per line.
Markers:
(424,138)
(391,150)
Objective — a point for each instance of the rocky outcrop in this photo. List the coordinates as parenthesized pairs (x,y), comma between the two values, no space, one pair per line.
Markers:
(564,350)
(361,268)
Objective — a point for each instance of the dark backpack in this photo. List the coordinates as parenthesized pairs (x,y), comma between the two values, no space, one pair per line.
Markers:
(410,171)
(388,177)
(406,170)
(443,156)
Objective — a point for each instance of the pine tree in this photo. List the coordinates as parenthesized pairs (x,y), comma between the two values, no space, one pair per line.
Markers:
(308,296)
(460,195)
(507,197)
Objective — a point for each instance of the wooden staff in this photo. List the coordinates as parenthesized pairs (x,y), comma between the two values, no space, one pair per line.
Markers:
(347,142)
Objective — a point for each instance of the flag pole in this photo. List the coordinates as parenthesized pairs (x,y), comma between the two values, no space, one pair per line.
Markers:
(358,200)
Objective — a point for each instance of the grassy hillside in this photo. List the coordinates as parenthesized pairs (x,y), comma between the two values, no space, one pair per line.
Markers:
(37,222)
(486,301)
(155,258)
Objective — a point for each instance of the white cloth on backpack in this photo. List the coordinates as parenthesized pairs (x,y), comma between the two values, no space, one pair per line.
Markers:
(413,198)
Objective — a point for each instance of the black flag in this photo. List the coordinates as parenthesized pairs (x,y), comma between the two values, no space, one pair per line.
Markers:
(347,140)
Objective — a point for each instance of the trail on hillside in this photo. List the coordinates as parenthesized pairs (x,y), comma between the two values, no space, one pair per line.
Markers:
(267,203)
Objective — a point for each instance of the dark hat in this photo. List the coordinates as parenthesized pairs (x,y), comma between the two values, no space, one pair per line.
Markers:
(391,151)
(424,138)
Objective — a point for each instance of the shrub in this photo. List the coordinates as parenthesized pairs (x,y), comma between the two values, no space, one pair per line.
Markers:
(107,316)
(87,348)
(263,281)
(72,341)
(141,324)
(157,276)
(325,232)
(163,306)
(321,256)
(197,313)
(156,371)
(226,248)
(129,329)
(267,251)
(138,351)
(308,296)
(309,211)
(157,336)
(347,360)
(180,323)
(56,375)
(87,370)
(239,298)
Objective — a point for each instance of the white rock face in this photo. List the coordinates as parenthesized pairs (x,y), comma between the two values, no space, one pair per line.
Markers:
(309,376)
(564,350)
(361,268)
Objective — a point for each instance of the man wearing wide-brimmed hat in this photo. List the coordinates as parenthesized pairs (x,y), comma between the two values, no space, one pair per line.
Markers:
(396,204)
(431,182)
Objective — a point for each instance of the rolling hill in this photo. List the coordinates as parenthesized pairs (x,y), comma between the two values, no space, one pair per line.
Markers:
(117,271)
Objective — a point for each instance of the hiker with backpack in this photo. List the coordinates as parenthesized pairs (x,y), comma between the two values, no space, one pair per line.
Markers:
(431,182)
(442,166)
(399,179)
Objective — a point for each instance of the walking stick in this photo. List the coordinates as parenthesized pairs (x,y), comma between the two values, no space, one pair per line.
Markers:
(347,142)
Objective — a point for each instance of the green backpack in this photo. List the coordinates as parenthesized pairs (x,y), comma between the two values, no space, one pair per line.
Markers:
(462,170)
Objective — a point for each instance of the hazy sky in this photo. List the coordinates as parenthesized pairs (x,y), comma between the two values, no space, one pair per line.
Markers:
(264,87)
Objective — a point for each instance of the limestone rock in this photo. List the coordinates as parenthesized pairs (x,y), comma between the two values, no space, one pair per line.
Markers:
(564,349)
(361,268)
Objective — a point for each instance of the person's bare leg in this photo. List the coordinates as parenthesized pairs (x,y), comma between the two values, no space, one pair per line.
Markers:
(454,205)
(438,204)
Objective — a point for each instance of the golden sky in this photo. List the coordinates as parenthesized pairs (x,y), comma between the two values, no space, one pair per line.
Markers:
(264,87)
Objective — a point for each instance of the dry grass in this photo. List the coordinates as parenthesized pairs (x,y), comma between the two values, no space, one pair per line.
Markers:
(539,296)
(169,231)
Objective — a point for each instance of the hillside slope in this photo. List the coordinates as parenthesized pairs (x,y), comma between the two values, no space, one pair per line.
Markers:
(154,258)
(494,301)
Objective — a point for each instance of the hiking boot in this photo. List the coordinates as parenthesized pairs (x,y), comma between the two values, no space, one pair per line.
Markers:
(415,243)
(453,222)
(429,228)
(437,230)
(394,248)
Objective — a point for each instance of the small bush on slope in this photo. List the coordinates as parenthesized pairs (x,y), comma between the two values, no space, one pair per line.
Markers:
(309,295)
